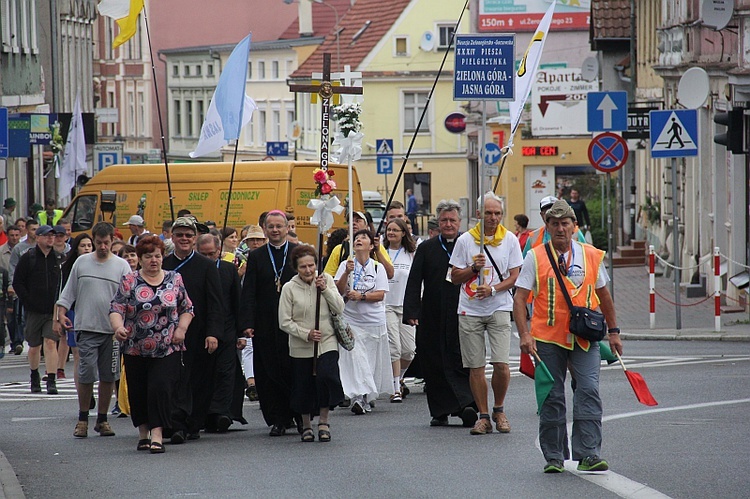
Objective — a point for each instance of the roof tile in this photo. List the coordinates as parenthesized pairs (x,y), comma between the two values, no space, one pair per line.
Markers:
(610,19)
(381,14)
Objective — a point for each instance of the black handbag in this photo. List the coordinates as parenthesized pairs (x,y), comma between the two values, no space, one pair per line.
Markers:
(584,322)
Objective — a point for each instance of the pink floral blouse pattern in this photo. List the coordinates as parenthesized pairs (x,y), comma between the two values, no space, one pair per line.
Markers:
(151,313)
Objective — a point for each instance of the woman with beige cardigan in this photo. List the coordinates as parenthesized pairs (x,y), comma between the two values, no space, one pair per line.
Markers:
(311,395)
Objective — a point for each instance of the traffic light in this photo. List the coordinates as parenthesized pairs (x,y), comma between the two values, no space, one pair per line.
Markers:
(733,139)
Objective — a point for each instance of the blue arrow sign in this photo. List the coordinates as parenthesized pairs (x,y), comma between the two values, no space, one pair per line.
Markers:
(491,153)
(607,111)
(277,148)
(674,133)
(385,164)
(3,132)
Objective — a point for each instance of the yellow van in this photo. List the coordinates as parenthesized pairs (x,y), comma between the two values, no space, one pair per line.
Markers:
(119,191)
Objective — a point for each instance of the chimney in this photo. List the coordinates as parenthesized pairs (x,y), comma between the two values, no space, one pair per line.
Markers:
(305,18)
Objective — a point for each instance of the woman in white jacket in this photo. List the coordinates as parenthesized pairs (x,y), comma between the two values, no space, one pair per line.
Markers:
(311,395)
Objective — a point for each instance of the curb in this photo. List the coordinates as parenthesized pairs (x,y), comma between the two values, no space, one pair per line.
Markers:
(656,336)
(10,487)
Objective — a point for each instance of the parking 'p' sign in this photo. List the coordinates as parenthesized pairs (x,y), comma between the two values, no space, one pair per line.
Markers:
(608,152)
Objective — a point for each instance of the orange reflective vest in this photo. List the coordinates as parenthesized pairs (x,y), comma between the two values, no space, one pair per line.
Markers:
(550,320)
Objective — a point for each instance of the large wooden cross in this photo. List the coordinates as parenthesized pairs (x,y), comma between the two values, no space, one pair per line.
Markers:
(326,90)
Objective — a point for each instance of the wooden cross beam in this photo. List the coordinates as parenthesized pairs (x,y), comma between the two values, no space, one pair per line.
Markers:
(326,90)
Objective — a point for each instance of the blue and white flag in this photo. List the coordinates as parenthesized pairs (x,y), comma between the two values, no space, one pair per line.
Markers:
(230,108)
(74,154)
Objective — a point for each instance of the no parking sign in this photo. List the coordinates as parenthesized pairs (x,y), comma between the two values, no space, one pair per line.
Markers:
(608,152)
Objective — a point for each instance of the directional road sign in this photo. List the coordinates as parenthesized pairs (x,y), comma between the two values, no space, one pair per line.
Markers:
(484,67)
(491,153)
(277,148)
(607,111)
(608,152)
(674,133)
(385,164)
(3,132)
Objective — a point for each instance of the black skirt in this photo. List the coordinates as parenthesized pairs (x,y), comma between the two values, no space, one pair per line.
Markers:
(310,393)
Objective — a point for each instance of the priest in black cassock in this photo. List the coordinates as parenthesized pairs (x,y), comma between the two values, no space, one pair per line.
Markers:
(228,387)
(268,269)
(435,313)
(201,280)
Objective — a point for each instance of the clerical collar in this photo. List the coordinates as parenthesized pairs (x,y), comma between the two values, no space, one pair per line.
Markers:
(278,247)
(187,257)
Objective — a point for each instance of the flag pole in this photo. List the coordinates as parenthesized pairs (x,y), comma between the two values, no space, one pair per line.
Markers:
(237,141)
(421,118)
(231,178)
(158,112)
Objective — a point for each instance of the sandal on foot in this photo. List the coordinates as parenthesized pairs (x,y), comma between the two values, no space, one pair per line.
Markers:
(157,448)
(324,435)
(144,444)
(308,435)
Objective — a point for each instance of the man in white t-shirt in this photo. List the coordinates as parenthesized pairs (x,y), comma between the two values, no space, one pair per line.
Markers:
(485,304)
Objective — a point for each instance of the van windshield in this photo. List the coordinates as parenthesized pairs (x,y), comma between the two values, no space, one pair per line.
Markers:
(82,213)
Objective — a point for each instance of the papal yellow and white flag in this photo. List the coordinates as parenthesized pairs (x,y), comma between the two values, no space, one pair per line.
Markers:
(126,13)
(527,70)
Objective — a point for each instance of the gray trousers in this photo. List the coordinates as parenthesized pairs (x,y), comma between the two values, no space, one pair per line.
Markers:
(587,405)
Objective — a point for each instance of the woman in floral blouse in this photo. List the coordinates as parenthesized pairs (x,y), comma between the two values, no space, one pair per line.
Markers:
(150,314)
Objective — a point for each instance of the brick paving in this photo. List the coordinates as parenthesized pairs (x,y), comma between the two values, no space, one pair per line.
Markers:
(632,298)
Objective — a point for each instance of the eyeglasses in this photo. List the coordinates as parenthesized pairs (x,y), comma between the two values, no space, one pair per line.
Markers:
(562,265)
(180,235)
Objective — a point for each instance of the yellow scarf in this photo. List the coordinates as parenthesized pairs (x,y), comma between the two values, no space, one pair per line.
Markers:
(492,241)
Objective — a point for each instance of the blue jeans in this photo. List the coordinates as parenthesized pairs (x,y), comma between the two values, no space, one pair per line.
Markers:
(587,405)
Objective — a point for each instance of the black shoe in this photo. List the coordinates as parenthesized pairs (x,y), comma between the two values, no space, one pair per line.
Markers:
(251,393)
(554,466)
(223,423)
(439,421)
(346,402)
(36,384)
(468,417)
(51,387)
(18,350)
(178,437)
(193,435)
(277,430)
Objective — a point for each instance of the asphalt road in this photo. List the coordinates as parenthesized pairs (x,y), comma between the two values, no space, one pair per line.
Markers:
(694,444)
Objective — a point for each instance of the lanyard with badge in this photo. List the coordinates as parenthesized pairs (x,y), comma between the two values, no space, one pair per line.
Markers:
(358,275)
(449,253)
(192,254)
(278,272)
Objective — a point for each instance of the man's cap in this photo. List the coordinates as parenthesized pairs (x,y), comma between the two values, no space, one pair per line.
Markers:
(432,223)
(360,215)
(210,222)
(255,232)
(9,203)
(560,209)
(546,202)
(188,222)
(43,230)
(58,229)
(135,220)
(36,207)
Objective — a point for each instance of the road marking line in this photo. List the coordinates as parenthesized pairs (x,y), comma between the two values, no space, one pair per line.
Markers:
(22,420)
(622,485)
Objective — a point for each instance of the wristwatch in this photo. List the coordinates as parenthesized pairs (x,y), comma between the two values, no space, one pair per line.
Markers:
(613,330)
(494,291)
(474,269)
(363,295)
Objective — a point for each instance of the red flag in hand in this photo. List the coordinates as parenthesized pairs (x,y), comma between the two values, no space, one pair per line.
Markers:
(527,365)
(642,393)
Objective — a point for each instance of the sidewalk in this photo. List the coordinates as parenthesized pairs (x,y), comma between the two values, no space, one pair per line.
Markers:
(631,297)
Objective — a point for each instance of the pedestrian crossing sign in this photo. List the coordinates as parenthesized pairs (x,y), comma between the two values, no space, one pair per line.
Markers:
(674,133)
(384,147)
